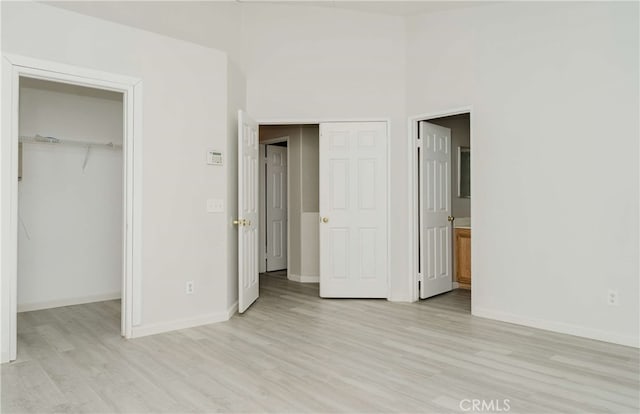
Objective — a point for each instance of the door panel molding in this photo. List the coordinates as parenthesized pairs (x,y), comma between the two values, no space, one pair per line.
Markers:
(354,207)
(276,205)
(436,255)
(248,211)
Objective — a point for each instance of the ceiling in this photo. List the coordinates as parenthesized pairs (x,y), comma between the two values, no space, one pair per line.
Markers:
(109,9)
(212,23)
(395,8)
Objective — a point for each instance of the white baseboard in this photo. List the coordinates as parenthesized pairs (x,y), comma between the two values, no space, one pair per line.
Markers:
(455,285)
(401,299)
(161,327)
(303,278)
(232,310)
(560,327)
(27,307)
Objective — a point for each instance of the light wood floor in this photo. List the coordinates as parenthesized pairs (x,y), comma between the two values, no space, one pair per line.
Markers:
(295,352)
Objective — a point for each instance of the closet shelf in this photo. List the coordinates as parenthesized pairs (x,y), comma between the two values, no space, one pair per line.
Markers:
(39,139)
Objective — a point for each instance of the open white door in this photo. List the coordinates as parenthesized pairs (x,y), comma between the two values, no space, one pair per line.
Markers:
(262,203)
(248,217)
(436,255)
(353,210)
(276,204)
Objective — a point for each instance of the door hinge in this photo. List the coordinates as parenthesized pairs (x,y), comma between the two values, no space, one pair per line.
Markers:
(418,143)
(420,278)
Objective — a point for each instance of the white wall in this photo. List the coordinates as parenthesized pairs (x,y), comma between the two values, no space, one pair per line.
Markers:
(184,114)
(309,194)
(460,137)
(214,24)
(70,243)
(554,89)
(294,208)
(310,154)
(318,64)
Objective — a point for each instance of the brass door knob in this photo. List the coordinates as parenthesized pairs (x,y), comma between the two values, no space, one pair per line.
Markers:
(240,222)
(450,218)
(325,219)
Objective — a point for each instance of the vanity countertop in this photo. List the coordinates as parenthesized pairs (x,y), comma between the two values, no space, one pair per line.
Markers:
(462,223)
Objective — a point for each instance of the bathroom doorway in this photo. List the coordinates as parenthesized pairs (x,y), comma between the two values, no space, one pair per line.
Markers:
(442,201)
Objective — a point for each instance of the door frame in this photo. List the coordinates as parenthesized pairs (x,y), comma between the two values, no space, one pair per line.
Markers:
(272,141)
(414,211)
(14,67)
(318,121)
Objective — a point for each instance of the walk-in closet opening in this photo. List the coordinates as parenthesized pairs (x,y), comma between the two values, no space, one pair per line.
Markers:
(70,213)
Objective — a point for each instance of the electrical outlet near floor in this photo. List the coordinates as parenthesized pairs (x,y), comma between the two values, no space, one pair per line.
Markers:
(189,287)
(612,298)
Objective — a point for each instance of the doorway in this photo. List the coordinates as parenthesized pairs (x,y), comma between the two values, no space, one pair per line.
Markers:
(274,201)
(291,190)
(27,71)
(441,176)
(351,217)
(70,195)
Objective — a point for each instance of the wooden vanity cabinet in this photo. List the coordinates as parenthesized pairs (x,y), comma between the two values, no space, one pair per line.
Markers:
(462,245)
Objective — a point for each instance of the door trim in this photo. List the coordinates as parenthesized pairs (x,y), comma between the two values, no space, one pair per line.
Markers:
(318,121)
(414,211)
(13,67)
(276,140)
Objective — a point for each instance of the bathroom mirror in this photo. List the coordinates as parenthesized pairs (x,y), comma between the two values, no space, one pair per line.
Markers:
(464,172)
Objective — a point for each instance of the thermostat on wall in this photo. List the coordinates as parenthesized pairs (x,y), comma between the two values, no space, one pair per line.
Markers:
(214,157)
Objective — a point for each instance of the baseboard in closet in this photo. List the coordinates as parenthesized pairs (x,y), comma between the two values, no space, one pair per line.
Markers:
(28,307)
(303,278)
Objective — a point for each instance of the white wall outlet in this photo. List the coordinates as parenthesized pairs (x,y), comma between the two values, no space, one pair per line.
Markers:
(612,298)
(215,205)
(189,288)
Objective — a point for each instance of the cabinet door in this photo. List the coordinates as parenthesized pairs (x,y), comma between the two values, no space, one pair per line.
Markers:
(463,257)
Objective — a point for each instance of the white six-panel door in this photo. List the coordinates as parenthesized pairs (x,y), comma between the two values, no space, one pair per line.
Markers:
(248,217)
(262,208)
(353,209)
(276,204)
(436,256)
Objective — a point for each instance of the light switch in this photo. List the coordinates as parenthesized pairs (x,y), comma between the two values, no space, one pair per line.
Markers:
(215,205)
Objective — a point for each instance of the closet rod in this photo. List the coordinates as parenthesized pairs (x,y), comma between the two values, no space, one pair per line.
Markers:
(39,139)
